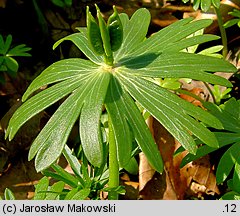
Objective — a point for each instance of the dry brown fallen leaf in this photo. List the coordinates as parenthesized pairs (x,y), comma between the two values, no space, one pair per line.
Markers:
(153,185)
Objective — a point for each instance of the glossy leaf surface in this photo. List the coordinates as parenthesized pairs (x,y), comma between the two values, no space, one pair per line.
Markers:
(89,86)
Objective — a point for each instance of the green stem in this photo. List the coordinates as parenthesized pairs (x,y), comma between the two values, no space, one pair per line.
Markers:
(210,92)
(222,31)
(108,59)
(113,163)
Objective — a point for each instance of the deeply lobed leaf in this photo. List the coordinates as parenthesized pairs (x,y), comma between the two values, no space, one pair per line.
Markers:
(169,36)
(60,71)
(39,102)
(90,132)
(171,112)
(137,124)
(121,129)
(179,65)
(136,63)
(49,144)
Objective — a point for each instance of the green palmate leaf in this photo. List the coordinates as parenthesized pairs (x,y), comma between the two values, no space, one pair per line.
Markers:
(7,63)
(227,162)
(55,190)
(134,31)
(59,71)
(180,65)
(120,126)
(81,41)
(162,104)
(47,145)
(138,126)
(39,102)
(136,63)
(162,40)
(204,4)
(90,132)
(19,50)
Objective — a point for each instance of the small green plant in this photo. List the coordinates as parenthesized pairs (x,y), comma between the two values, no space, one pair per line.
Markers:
(8,64)
(219,95)
(8,195)
(86,182)
(120,70)
(205,5)
(228,113)
(235,13)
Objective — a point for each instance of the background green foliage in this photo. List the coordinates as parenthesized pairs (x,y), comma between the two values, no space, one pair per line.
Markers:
(7,52)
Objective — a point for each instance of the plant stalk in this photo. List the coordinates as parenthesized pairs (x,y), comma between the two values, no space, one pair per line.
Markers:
(113,163)
(210,92)
(108,59)
(222,31)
